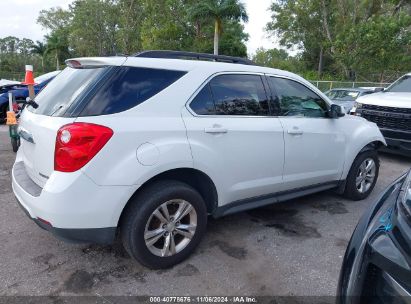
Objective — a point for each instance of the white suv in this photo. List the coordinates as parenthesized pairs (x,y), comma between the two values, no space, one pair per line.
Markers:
(148,147)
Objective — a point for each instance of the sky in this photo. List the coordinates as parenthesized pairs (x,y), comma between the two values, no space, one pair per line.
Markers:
(21,20)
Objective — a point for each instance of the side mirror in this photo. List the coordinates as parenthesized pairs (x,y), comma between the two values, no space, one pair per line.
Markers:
(336,111)
(379,90)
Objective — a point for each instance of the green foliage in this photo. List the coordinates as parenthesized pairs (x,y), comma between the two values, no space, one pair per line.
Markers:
(57,46)
(93,27)
(347,37)
(335,39)
(14,54)
(166,25)
(217,12)
(54,19)
(107,27)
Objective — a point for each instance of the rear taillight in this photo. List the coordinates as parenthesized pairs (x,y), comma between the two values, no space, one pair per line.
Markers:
(77,144)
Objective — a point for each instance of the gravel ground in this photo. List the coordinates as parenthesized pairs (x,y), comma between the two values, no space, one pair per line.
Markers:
(292,248)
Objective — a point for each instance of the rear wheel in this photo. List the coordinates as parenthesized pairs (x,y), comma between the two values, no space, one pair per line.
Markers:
(164,224)
(362,176)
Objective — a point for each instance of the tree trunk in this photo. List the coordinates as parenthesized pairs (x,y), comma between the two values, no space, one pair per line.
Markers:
(57,61)
(330,39)
(397,8)
(42,63)
(321,63)
(216,36)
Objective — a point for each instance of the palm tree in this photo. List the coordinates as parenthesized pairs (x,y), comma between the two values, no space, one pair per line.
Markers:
(58,45)
(218,11)
(40,49)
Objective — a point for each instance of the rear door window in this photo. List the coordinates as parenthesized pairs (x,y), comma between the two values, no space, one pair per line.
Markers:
(128,87)
(239,94)
(203,103)
(232,94)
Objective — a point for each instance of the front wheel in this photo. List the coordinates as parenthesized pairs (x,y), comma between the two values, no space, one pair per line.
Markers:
(164,224)
(362,176)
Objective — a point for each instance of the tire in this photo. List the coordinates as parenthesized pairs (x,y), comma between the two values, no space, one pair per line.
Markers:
(139,221)
(15,143)
(355,191)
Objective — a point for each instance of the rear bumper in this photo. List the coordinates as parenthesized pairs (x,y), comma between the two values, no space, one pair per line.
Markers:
(96,236)
(71,205)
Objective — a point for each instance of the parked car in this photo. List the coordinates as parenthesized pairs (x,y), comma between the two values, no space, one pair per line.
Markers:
(21,92)
(377,263)
(151,146)
(347,96)
(6,82)
(391,111)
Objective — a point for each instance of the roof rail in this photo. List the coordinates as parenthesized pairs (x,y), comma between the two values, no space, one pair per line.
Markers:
(192,55)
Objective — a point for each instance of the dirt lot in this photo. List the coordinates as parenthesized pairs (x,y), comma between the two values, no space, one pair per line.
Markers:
(292,248)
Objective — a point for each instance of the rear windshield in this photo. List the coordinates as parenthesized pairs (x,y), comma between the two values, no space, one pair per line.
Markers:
(64,90)
(100,91)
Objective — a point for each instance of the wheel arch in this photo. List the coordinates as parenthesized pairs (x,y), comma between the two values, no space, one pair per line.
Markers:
(197,179)
(375,144)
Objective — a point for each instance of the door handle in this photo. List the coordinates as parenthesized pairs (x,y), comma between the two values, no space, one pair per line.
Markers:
(215,130)
(295,131)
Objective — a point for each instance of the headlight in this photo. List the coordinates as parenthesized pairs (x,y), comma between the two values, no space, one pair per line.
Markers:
(357,105)
(354,109)
(405,196)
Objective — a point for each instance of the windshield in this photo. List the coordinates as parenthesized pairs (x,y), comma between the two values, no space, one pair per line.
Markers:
(343,95)
(59,94)
(402,85)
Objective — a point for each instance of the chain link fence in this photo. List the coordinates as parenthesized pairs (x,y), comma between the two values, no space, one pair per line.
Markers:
(328,85)
(17,76)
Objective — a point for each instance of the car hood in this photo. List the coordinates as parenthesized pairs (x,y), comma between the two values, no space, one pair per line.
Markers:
(387,99)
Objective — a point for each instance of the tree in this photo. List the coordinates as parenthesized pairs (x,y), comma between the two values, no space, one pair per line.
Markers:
(342,33)
(166,25)
(93,27)
(58,22)
(218,11)
(54,19)
(129,25)
(40,48)
(57,44)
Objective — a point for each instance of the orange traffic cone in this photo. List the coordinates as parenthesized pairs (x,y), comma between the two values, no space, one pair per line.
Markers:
(29,79)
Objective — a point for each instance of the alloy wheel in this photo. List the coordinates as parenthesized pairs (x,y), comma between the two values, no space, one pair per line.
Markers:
(365,175)
(170,228)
